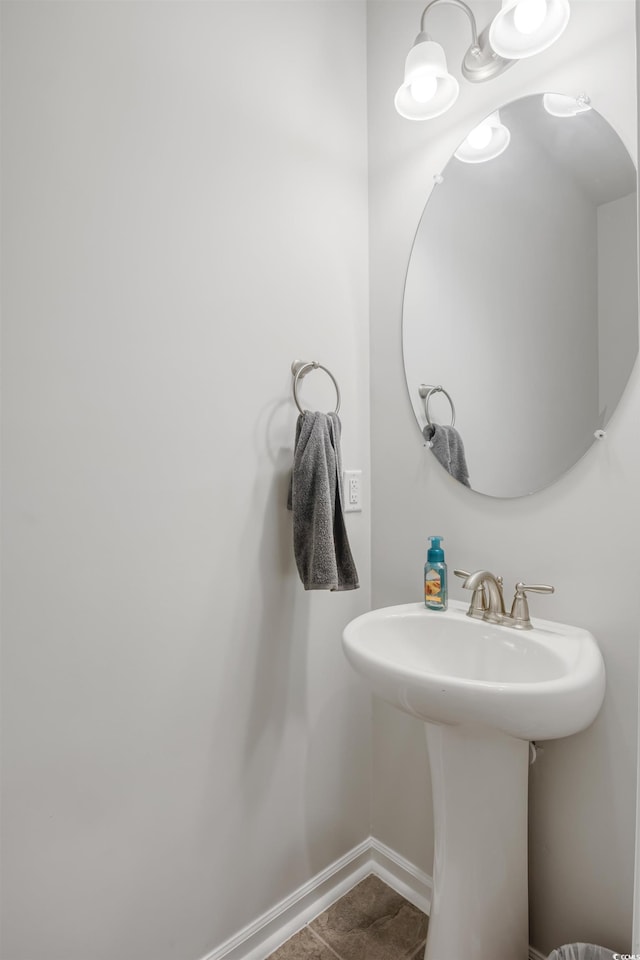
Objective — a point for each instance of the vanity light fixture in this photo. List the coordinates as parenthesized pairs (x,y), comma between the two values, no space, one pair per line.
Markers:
(428,89)
(485,142)
(559,105)
(521,29)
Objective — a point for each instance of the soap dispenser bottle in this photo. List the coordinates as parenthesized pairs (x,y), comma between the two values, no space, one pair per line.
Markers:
(435,576)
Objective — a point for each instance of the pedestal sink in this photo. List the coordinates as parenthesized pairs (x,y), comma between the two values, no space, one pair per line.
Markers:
(483,692)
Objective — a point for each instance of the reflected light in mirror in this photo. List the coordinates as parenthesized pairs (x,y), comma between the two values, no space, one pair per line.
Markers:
(560,106)
(485,142)
(480,137)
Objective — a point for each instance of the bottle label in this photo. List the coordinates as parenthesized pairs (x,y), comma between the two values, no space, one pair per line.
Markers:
(432,587)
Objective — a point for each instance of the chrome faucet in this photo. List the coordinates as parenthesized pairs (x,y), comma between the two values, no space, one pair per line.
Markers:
(491,587)
(487,602)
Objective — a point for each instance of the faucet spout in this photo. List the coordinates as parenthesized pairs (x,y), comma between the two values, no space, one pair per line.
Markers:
(492,589)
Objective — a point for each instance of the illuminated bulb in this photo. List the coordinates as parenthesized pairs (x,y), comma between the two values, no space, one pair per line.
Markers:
(423,87)
(485,142)
(529,15)
(480,137)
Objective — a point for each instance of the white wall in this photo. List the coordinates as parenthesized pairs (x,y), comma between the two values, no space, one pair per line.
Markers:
(183,741)
(184,215)
(582,789)
(635,942)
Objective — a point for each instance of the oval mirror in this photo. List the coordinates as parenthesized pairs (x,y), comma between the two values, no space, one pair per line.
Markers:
(521,298)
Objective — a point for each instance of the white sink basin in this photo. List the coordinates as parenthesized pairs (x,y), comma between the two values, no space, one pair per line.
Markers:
(483,692)
(445,667)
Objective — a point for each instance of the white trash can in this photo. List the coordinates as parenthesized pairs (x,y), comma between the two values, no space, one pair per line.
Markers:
(581,951)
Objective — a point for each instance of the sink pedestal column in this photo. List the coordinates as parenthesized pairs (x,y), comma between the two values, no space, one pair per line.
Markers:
(479,909)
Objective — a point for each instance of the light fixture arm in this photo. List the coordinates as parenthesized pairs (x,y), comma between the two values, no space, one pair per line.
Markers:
(480,62)
(462,6)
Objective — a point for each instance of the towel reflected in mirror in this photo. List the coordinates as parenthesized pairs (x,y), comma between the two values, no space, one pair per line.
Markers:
(446,443)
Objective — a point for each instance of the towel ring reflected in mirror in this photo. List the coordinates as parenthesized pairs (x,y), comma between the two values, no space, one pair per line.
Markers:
(300,368)
(426,392)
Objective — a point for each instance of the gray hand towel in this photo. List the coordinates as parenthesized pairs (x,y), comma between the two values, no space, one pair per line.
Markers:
(320,543)
(448,447)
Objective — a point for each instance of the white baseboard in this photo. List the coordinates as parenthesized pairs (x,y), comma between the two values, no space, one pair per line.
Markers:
(265,934)
(536,955)
(402,876)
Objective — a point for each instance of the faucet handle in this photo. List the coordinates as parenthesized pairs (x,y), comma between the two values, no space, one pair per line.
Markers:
(478,606)
(520,607)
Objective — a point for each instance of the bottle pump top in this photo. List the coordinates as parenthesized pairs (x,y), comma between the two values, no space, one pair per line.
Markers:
(435,553)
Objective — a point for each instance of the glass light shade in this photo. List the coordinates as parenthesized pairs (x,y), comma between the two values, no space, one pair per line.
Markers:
(516,34)
(485,142)
(426,73)
(559,105)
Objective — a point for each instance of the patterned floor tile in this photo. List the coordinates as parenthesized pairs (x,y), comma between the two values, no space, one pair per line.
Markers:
(372,922)
(303,946)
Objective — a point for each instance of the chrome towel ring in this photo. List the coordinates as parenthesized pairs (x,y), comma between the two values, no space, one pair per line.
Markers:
(426,391)
(300,368)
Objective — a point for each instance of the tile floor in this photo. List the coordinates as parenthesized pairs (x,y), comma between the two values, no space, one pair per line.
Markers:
(371,922)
